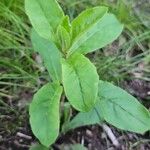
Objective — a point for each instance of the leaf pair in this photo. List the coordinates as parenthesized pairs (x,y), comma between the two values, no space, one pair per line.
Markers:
(80,81)
(44,109)
(114,105)
(94,28)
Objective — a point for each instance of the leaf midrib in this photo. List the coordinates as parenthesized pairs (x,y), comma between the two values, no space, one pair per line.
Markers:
(80,85)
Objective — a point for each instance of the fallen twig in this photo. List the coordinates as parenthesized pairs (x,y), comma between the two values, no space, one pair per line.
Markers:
(24,136)
(110,135)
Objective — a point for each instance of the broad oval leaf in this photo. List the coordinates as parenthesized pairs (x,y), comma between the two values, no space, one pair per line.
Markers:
(94,31)
(44,16)
(121,109)
(50,55)
(80,81)
(44,113)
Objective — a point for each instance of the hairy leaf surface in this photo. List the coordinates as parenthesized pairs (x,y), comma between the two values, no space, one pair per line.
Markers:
(80,81)
(44,113)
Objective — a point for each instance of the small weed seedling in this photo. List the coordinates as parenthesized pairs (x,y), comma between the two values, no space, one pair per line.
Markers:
(62,45)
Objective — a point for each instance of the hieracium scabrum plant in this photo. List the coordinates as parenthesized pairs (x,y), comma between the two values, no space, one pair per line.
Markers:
(63,45)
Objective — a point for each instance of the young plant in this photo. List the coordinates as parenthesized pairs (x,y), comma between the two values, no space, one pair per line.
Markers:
(62,45)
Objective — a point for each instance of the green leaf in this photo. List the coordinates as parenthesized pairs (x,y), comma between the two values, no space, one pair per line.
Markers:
(122,110)
(83,119)
(44,113)
(50,55)
(63,38)
(80,81)
(94,29)
(44,16)
(38,147)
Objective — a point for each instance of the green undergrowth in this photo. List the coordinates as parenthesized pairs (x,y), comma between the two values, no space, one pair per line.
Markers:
(18,70)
